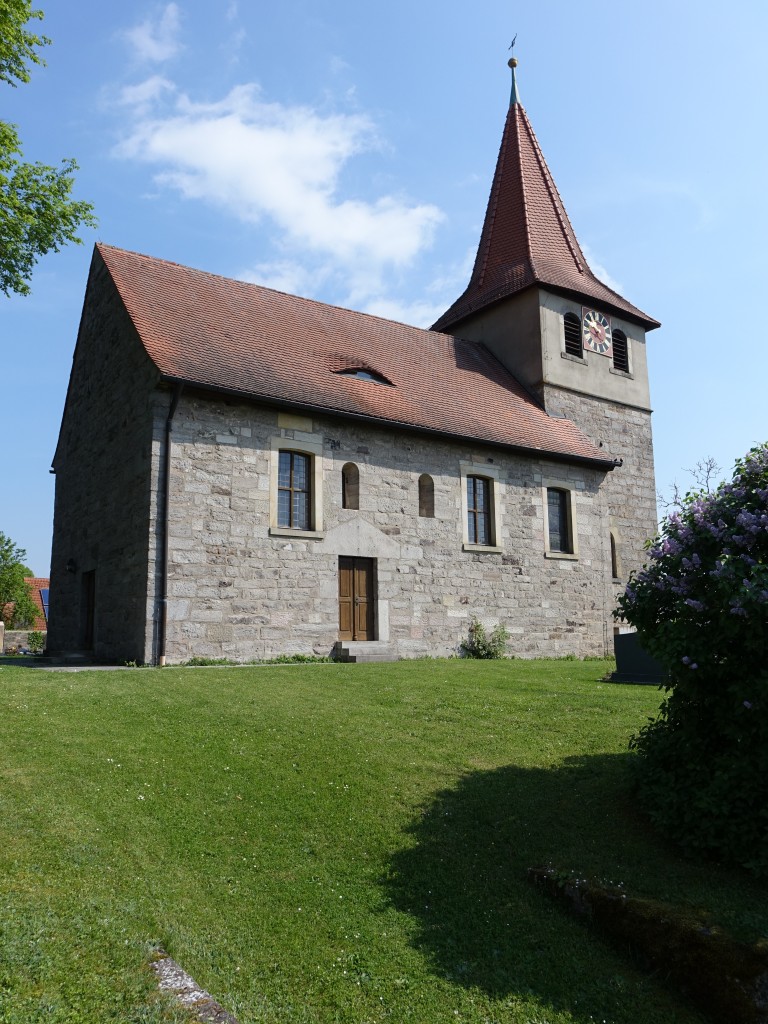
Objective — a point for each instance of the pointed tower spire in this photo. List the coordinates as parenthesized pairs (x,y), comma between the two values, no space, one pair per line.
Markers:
(527,238)
(512,64)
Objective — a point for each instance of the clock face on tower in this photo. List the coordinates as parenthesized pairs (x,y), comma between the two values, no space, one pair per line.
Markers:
(596,331)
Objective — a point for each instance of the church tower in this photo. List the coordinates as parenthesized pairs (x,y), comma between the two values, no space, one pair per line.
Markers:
(571,340)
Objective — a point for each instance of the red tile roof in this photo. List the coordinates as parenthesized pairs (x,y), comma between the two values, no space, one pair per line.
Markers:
(36,584)
(214,332)
(527,238)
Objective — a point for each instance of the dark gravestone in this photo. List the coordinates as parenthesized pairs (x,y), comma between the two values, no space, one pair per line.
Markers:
(634,664)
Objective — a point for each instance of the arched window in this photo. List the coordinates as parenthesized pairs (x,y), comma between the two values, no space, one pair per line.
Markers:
(350,486)
(572,331)
(426,496)
(620,351)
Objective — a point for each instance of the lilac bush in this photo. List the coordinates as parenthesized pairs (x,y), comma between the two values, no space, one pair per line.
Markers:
(701,604)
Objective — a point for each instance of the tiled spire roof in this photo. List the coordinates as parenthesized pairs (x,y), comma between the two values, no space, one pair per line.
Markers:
(527,238)
(216,333)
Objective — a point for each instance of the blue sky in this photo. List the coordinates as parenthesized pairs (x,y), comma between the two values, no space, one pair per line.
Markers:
(344,151)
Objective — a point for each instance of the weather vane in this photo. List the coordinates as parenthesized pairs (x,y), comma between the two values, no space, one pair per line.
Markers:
(512,63)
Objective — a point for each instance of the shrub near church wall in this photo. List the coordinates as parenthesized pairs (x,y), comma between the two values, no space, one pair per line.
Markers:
(11,638)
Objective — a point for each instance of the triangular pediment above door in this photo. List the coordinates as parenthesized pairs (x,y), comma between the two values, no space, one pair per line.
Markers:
(363,540)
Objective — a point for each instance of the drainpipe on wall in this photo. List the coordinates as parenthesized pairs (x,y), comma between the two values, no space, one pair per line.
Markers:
(166,488)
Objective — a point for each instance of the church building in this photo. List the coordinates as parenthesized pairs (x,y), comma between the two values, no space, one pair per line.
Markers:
(243,473)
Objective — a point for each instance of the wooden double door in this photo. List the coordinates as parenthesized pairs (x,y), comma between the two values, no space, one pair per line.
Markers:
(357,585)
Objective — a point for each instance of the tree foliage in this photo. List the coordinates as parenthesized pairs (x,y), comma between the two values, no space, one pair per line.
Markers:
(16,605)
(701,605)
(37,211)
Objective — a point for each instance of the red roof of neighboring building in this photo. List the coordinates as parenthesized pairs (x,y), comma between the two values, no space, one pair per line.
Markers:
(218,333)
(36,584)
(527,238)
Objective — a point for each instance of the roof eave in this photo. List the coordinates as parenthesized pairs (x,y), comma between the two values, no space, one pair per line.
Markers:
(270,400)
(481,303)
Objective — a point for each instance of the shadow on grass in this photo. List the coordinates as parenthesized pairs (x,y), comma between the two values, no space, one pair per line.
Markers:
(480,923)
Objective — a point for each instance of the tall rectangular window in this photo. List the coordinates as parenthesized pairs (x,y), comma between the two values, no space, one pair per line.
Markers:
(558,508)
(479,510)
(294,497)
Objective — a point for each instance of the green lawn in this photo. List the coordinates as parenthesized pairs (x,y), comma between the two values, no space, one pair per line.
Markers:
(330,843)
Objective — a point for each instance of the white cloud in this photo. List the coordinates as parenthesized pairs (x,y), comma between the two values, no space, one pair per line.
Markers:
(144,96)
(269,162)
(418,314)
(157,40)
(285,276)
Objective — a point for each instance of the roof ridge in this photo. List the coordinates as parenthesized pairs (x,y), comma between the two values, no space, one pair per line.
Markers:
(493,199)
(267,346)
(101,246)
(526,218)
(556,199)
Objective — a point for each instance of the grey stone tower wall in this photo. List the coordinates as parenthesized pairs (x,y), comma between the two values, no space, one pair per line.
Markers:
(525,332)
(103,482)
(630,490)
(241,590)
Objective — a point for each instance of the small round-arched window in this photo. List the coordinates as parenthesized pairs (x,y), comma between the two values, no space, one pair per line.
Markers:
(350,486)
(426,496)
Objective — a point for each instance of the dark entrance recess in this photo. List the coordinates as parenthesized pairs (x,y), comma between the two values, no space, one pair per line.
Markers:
(356,598)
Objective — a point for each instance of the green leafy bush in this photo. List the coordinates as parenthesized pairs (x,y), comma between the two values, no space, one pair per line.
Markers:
(701,605)
(36,641)
(298,659)
(199,661)
(481,644)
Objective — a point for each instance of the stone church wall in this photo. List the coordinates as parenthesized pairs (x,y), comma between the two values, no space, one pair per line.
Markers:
(103,484)
(238,591)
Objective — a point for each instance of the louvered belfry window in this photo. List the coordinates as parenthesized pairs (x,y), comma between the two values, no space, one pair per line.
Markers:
(293,491)
(572,329)
(479,510)
(620,351)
